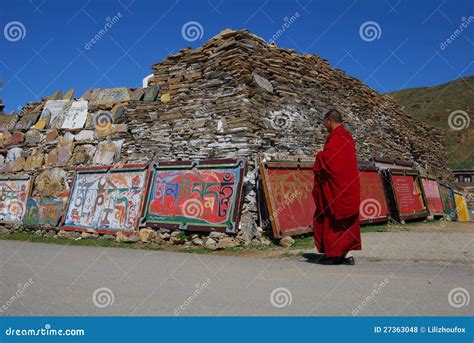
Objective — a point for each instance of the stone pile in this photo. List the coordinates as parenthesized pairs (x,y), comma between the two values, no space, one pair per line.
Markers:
(236,96)
(160,237)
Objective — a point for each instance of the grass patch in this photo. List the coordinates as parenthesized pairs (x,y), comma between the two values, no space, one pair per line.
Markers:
(103,243)
(433,105)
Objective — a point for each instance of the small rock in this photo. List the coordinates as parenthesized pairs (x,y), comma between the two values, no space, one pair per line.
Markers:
(287,241)
(164,230)
(147,235)
(211,244)
(86,235)
(176,238)
(108,237)
(49,234)
(67,234)
(131,239)
(4,230)
(197,241)
(262,82)
(243,237)
(164,236)
(226,242)
(120,237)
(215,234)
(158,240)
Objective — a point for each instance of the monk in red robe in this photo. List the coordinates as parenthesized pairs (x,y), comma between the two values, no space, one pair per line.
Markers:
(336,193)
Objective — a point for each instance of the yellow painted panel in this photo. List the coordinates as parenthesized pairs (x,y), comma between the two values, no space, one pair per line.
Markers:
(461,208)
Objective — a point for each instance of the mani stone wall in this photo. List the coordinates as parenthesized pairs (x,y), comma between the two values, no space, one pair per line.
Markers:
(236,96)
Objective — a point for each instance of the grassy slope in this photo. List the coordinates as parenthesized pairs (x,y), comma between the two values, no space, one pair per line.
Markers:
(433,105)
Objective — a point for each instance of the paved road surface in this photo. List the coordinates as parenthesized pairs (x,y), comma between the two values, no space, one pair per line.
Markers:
(140,282)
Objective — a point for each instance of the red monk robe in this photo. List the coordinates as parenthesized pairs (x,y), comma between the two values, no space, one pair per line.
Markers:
(336,193)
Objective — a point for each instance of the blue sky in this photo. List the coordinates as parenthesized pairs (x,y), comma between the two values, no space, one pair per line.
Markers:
(48,50)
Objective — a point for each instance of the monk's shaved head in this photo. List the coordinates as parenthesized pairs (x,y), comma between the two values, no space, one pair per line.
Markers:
(334,116)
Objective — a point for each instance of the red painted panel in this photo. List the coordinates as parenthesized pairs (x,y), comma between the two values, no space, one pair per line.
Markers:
(433,196)
(201,196)
(290,203)
(408,194)
(373,204)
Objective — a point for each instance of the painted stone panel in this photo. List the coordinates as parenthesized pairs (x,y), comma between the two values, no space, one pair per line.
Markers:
(106,200)
(13,196)
(43,211)
(204,197)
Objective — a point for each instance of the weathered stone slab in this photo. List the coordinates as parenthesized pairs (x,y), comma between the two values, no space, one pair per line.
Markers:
(82,154)
(64,152)
(34,161)
(57,110)
(110,96)
(76,115)
(7,122)
(33,137)
(27,121)
(69,94)
(85,136)
(14,153)
(151,92)
(262,82)
(105,153)
(51,183)
(17,137)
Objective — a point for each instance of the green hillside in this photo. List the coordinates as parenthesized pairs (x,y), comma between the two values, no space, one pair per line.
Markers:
(433,105)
